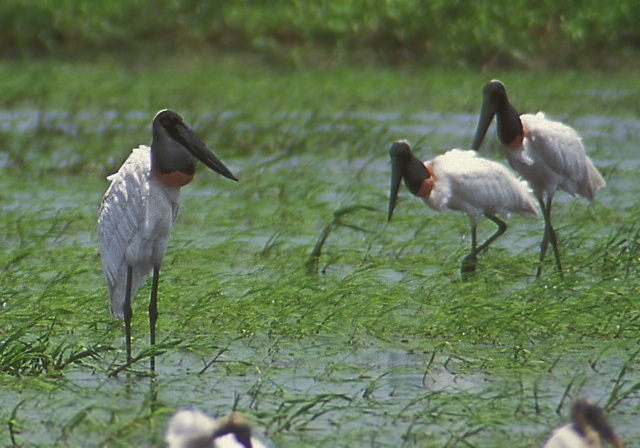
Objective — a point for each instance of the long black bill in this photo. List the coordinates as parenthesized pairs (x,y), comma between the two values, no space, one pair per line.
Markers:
(397,173)
(192,142)
(487,113)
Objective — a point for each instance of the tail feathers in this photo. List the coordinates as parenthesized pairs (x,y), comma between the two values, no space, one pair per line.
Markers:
(117,310)
(593,182)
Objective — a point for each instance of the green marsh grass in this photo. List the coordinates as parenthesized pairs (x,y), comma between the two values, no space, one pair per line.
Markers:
(290,33)
(383,344)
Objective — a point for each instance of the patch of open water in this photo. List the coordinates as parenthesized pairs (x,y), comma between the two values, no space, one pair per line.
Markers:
(379,381)
(459,124)
(382,389)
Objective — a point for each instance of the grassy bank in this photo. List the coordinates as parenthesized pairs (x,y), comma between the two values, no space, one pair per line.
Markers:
(498,33)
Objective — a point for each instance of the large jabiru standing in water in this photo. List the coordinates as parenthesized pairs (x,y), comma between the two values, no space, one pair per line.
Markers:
(139,209)
(547,154)
(460,180)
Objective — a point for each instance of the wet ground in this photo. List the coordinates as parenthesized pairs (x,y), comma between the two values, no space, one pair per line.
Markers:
(353,389)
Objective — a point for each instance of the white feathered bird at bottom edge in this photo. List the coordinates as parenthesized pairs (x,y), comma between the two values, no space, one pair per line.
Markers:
(194,429)
(589,429)
(460,180)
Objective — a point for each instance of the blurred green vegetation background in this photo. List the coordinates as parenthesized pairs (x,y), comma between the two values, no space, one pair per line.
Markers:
(544,34)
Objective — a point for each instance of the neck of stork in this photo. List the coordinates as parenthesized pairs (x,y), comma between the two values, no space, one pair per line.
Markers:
(510,130)
(418,178)
(171,162)
(236,425)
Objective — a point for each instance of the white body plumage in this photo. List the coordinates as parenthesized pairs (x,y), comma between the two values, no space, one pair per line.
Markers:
(194,429)
(567,437)
(552,157)
(548,154)
(139,209)
(476,186)
(134,225)
(460,180)
(588,429)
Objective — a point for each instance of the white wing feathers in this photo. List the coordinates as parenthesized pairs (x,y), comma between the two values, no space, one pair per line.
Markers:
(565,437)
(193,429)
(477,186)
(132,229)
(560,148)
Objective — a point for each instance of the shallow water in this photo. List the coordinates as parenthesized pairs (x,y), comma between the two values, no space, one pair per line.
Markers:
(383,393)
(373,383)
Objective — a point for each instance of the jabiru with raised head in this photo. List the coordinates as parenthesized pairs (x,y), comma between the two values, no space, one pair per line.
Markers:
(139,209)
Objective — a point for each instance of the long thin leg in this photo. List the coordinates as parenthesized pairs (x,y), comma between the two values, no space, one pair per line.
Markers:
(553,238)
(502,227)
(548,237)
(127,312)
(153,314)
(545,237)
(470,261)
(474,238)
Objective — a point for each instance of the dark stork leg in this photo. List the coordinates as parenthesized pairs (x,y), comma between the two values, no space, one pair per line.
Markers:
(549,236)
(127,312)
(153,314)
(502,227)
(470,261)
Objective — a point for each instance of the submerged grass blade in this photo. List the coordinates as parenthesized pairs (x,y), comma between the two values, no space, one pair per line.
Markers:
(337,221)
(14,425)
